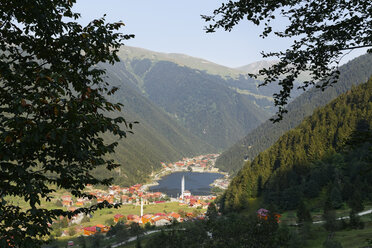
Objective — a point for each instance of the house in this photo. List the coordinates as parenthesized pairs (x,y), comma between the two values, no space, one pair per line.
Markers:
(175,216)
(262,213)
(102,228)
(66,198)
(180,164)
(160,214)
(124,198)
(146,218)
(160,221)
(133,218)
(90,230)
(67,203)
(157,194)
(186,193)
(117,217)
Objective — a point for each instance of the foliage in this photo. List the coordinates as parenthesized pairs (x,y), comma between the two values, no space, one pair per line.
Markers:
(303,213)
(110,222)
(353,73)
(53,105)
(96,239)
(311,157)
(212,212)
(71,231)
(224,231)
(332,244)
(331,223)
(135,229)
(321,30)
(85,219)
(82,242)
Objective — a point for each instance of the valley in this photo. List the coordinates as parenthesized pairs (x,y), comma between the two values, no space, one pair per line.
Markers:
(129,124)
(273,179)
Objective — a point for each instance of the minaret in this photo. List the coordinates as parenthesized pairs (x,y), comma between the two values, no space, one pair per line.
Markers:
(182,186)
(140,221)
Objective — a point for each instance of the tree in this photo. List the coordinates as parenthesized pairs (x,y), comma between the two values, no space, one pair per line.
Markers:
(53,108)
(71,231)
(212,212)
(110,222)
(303,213)
(321,30)
(96,239)
(82,242)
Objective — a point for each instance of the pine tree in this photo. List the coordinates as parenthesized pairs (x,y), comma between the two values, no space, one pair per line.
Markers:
(303,213)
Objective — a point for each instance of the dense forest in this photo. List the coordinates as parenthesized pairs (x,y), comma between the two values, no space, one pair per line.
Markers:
(353,73)
(311,157)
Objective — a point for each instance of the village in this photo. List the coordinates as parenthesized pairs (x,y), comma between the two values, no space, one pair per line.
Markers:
(139,196)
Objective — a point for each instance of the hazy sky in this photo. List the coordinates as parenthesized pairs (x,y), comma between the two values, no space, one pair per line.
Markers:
(176,27)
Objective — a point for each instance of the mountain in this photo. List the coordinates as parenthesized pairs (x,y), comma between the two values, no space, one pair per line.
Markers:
(256,66)
(157,138)
(219,110)
(352,73)
(135,53)
(305,159)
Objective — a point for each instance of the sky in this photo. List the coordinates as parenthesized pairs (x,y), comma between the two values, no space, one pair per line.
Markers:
(176,27)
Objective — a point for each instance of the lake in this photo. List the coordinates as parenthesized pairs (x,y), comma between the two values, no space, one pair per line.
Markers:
(197,183)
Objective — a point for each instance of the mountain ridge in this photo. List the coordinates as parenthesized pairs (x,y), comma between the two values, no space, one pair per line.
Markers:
(356,71)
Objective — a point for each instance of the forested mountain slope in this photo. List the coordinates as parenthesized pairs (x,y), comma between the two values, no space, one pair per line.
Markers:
(353,73)
(157,138)
(218,109)
(283,170)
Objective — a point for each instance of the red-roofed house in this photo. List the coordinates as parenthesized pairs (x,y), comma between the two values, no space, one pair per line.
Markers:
(66,198)
(66,203)
(117,217)
(175,216)
(90,230)
(160,221)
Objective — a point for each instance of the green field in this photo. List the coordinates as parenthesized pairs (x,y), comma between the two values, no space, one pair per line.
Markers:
(102,215)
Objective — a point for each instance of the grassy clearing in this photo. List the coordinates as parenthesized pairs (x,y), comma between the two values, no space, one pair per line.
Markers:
(348,238)
(100,216)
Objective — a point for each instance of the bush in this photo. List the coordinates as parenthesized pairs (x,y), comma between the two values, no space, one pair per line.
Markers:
(85,219)
(59,203)
(110,222)
(71,231)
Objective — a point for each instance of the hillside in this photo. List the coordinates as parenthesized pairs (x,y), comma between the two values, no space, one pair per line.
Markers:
(219,110)
(157,138)
(352,73)
(305,159)
(256,66)
(135,53)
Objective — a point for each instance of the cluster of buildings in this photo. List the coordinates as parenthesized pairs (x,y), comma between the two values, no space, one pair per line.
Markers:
(115,194)
(138,195)
(222,183)
(158,219)
(202,163)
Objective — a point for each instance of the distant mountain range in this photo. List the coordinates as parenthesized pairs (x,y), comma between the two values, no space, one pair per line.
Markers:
(186,106)
(256,66)
(261,138)
(219,109)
